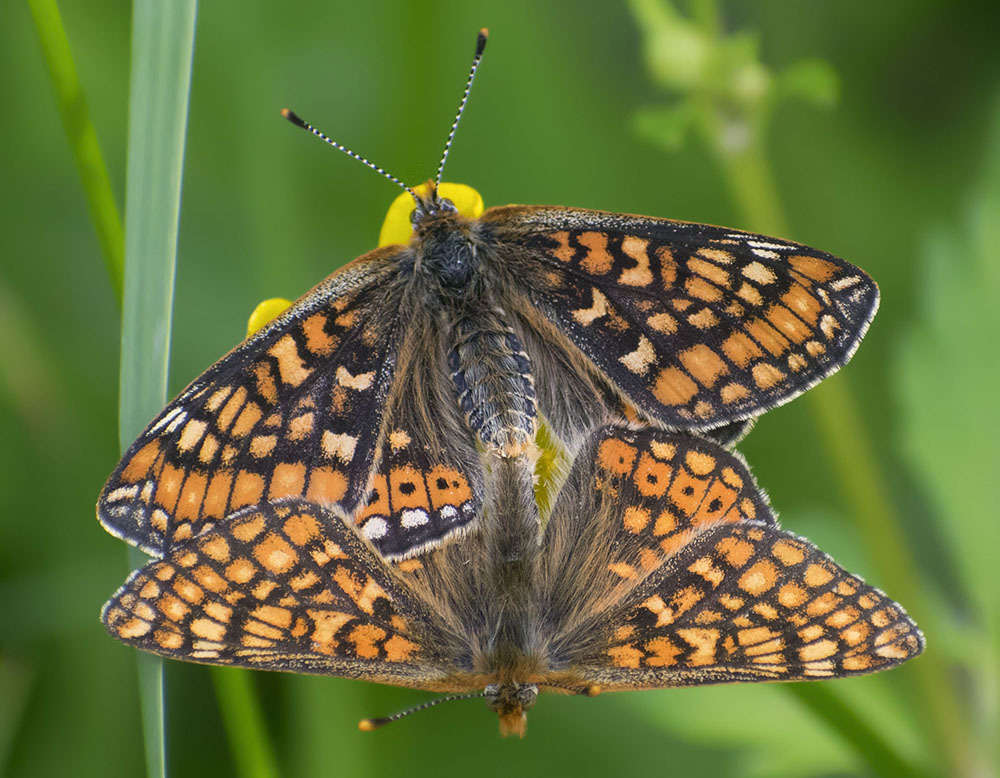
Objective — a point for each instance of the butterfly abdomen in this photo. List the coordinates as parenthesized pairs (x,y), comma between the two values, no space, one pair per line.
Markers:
(496,390)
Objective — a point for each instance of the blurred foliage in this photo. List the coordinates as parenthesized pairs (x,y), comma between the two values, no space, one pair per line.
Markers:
(877,178)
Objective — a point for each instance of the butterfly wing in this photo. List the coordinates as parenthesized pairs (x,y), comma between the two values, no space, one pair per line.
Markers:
(293,410)
(698,326)
(723,595)
(428,485)
(280,586)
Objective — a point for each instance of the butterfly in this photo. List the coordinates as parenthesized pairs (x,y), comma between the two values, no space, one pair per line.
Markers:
(377,392)
(661,565)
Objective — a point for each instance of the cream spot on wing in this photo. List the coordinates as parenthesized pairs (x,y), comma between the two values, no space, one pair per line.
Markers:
(755,271)
(599,308)
(638,361)
(359,382)
(339,445)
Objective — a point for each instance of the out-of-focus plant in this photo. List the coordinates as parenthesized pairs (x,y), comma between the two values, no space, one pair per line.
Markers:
(721,94)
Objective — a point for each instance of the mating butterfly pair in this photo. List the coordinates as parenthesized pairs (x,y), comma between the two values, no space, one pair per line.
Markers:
(349,490)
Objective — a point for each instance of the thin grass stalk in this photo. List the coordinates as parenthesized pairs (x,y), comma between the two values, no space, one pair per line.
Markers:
(159,85)
(82,139)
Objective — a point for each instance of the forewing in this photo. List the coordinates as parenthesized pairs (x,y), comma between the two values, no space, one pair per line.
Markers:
(748,602)
(699,326)
(280,586)
(295,410)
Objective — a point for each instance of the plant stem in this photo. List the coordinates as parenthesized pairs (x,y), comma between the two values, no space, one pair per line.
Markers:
(82,139)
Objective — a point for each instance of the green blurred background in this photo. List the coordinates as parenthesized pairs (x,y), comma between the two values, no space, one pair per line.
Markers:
(870,130)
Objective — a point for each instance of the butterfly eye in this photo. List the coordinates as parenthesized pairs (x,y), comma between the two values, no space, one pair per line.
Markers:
(527,696)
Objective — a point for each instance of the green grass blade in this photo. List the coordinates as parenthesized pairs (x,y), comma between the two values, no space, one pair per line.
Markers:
(244,722)
(162,48)
(82,138)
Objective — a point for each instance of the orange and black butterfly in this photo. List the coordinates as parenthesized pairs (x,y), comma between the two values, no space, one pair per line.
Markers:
(661,565)
(376,393)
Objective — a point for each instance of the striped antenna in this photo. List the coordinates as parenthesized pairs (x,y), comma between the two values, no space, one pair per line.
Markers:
(299,122)
(369,725)
(480,47)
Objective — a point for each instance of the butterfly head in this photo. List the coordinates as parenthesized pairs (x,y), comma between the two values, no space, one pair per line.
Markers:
(511,702)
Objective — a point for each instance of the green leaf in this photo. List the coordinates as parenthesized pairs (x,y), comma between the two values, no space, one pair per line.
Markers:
(162,48)
(666,126)
(947,378)
(813,80)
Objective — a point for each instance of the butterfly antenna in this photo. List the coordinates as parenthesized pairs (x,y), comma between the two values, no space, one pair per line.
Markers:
(480,47)
(299,122)
(369,725)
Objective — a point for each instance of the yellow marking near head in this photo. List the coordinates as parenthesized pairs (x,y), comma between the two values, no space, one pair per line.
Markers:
(266,312)
(397,229)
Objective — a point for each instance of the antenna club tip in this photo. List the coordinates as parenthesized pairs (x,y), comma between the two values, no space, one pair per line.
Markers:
(367,725)
(292,117)
(593,690)
(484,34)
